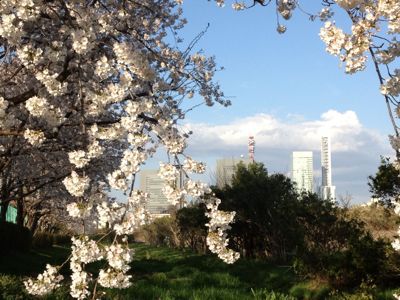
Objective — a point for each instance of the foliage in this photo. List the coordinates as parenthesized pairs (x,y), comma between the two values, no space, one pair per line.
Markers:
(321,239)
(11,288)
(265,205)
(192,230)
(165,273)
(338,249)
(379,220)
(161,232)
(385,184)
(14,238)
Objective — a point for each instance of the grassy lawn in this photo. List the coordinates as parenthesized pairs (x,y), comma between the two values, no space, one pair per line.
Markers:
(163,273)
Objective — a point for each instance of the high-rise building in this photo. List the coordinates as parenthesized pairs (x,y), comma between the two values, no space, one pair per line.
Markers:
(152,184)
(226,168)
(327,190)
(302,170)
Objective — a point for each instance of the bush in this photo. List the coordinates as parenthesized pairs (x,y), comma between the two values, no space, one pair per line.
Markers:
(14,238)
(11,288)
(192,229)
(161,232)
(336,248)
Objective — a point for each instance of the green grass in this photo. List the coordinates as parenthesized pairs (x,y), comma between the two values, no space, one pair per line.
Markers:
(163,273)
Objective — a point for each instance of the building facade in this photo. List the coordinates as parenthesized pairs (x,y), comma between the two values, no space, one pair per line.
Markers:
(152,184)
(302,170)
(226,168)
(327,190)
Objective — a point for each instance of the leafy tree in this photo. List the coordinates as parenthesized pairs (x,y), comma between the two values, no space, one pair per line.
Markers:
(192,230)
(385,184)
(265,205)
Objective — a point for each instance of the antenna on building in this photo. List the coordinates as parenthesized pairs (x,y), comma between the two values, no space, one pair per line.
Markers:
(252,145)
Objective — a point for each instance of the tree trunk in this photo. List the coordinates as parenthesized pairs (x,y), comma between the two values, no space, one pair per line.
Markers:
(34,224)
(20,209)
(4,207)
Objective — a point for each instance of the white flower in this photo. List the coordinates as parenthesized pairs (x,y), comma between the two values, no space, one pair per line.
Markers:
(94,150)
(34,137)
(45,283)
(168,172)
(117,180)
(3,107)
(333,37)
(75,184)
(79,210)
(197,188)
(281,29)
(119,257)
(78,158)
(349,4)
(189,165)
(109,214)
(238,6)
(217,240)
(111,278)
(396,244)
(36,106)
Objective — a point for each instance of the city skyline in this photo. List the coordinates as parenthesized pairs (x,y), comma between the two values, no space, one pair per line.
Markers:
(287,111)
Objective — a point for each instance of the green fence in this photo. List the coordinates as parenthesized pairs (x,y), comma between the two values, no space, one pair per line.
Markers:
(11,215)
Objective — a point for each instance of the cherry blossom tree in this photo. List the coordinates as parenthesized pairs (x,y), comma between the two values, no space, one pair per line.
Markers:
(85,78)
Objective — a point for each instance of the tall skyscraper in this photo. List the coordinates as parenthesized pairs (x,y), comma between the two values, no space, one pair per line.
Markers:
(226,169)
(327,190)
(302,170)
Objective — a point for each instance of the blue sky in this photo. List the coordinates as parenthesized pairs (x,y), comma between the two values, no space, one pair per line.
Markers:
(285,88)
(282,74)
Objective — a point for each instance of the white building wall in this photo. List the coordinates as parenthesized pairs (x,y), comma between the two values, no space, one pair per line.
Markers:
(152,184)
(328,191)
(302,170)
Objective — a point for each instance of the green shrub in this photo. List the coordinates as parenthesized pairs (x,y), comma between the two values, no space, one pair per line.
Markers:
(336,248)
(12,288)
(14,238)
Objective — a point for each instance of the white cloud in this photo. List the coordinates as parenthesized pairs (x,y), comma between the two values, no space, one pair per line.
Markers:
(345,129)
(356,150)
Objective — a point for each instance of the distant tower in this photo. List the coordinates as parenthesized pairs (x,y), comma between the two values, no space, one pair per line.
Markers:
(327,190)
(252,145)
(302,170)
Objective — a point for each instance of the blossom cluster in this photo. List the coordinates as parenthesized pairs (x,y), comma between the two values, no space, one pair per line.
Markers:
(118,257)
(45,283)
(84,251)
(217,240)
(76,185)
